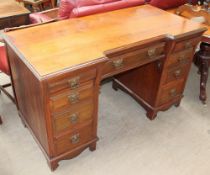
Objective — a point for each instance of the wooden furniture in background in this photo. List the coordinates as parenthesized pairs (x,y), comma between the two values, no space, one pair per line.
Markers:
(68,59)
(54,3)
(202,57)
(12,14)
(37,5)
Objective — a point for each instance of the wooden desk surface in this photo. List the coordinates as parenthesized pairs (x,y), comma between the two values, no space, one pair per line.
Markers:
(11,8)
(189,16)
(60,45)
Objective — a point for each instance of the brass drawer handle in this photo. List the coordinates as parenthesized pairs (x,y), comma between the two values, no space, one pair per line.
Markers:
(183,60)
(177,73)
(188,45)
(118,63)
(74,83)
(173,92)
(75,138)
(73,98)
(151,52)
(74,118)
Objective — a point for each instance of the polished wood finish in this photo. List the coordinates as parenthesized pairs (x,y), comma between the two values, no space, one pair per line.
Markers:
(202,57)
(131,57)
(202,61)
(160,84)
(12,14)
(65,62)
(83,35)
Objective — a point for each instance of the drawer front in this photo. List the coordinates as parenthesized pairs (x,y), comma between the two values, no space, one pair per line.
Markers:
(170,91)
(177,73)
(5,23)
(74,118)
(180,58)
(71,81)
(133,59)
(19,20)
(70,98)
(74,139)
(186,44)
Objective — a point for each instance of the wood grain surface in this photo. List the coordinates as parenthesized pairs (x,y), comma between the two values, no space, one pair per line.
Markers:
(11,8)
(56,46)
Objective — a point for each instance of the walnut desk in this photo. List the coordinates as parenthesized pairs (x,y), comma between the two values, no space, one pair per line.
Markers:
(57,69)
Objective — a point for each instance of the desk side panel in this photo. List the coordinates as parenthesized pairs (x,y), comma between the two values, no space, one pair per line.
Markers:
(30,98)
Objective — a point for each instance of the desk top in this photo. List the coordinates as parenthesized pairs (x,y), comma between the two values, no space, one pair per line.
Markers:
(56,46)
(11,8)
(188,15)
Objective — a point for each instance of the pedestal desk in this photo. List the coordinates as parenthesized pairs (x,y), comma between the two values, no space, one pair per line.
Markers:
(57,69)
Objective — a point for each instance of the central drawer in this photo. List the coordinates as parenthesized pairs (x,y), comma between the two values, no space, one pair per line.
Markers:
(126,60)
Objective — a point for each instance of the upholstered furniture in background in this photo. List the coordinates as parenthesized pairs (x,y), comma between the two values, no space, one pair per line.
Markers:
(78,8)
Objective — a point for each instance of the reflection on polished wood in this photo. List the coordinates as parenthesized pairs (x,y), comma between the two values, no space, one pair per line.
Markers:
(147,50)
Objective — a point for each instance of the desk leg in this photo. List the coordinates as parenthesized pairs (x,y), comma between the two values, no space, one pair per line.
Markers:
(0,120)
(202,59)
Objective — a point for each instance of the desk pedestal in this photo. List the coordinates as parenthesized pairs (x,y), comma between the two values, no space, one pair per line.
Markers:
(159,85)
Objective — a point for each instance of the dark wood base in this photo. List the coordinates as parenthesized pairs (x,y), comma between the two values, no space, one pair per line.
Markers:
(151,111)
(54,162)
(202,61)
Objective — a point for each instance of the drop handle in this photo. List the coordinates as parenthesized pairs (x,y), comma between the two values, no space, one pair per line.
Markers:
(74,118)
(177,73)
(74,82)
(173,92)
(151,52)
(118,63)
(73,98)
(75,138)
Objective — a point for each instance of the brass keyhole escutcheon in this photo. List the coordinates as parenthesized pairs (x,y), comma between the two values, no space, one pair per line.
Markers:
(151,52)
(173,92)
(177,73)
(118,63)
(74,118)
